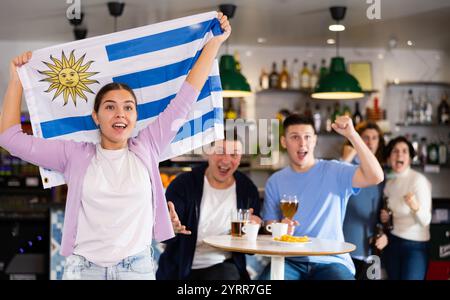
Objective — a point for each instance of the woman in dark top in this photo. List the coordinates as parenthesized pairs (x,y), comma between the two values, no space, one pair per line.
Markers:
(361,215)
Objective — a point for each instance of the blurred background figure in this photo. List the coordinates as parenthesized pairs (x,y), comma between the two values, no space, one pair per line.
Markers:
(361,219)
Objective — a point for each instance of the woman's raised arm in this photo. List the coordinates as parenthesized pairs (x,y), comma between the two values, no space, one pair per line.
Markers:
(200,71)
(12,101)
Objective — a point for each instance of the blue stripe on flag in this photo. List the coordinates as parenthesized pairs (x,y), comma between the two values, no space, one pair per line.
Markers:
(200,124)
(154,108)
(162,40)
(157,75)
(69,125)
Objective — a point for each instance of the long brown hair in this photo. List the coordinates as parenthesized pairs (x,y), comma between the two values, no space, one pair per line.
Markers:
(379,154)
(113,86)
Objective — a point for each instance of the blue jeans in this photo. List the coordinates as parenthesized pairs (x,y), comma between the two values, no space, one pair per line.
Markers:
(405,259)
(294,270)
(135,267)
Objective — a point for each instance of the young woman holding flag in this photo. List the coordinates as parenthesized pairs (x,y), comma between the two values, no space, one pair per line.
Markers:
(115,201)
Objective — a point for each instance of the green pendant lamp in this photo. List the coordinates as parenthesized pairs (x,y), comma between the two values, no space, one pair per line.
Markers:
(338,84)
(234,84)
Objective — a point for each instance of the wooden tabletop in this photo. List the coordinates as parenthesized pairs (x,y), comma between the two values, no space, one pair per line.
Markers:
(266,246)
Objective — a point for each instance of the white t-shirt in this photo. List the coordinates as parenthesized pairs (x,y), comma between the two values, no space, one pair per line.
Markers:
(116,215)
(215,218)
(410,225)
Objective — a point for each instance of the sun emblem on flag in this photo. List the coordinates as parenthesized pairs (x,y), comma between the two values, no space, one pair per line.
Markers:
(69,77)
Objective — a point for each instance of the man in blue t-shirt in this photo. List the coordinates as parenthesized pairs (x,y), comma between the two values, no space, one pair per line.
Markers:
(323,189)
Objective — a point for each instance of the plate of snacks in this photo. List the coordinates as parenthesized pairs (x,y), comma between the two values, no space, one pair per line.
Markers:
(290,240)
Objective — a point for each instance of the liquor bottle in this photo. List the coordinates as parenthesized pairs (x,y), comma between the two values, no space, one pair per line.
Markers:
(314,77)
(442,153)
(231,113)
(237,59)
(379,231)
(376,109)
(346,111)
(305,76)
(264,79)
(415,144)
(295,75)
(323,69)
(433,153)
(336,112)
(443,110)
(423,151)
(274,77)
(428,111)
(448,146)
(409,108)
(329,120)
(307,112)
(389,224)
(357,117)
(422,109)
(416,111)
(284,77)
(317,118)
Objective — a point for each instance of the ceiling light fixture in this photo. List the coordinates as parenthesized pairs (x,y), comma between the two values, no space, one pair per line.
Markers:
(261,40)
(336,27)
(234,84)
(338,83)
(338,15)
(115,9)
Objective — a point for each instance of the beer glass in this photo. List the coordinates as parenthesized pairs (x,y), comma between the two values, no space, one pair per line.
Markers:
(238,219)
(289,206)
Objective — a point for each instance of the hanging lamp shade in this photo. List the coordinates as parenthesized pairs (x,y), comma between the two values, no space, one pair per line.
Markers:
(338,83)
(234,84)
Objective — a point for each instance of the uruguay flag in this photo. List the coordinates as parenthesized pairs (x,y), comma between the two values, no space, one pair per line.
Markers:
(60,82)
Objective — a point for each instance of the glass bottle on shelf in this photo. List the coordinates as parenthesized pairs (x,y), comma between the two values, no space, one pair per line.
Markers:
(328,120)
(295,75)
(422,109)
(314,77)
(231,113)
(357,116)
(264,79)
(323,69)
(307,112)
(274,77)
(448,146)
(305,76)
(317,118)
(336,112)
(423,151)
(415,144)
(237,59)
(346,111)
(443,110)
(428,110)
(409,108)
(433,153)
(416,111)
(376,109)
(284,77)
(442,153)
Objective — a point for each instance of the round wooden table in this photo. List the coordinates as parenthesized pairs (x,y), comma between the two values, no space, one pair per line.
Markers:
(265,245)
